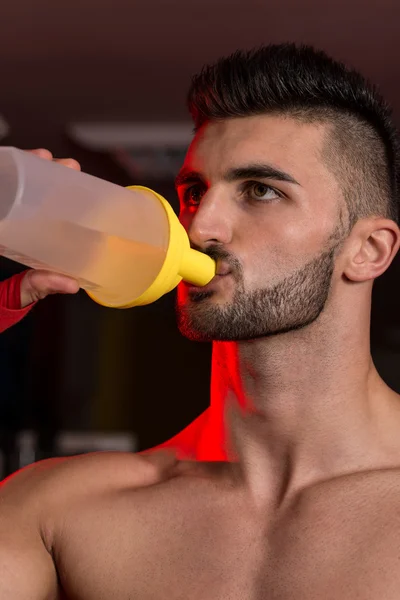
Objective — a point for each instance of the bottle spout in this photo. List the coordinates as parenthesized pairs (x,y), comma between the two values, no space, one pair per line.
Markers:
(196,267)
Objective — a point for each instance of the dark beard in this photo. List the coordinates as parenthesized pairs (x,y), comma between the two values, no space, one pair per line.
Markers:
(289,305)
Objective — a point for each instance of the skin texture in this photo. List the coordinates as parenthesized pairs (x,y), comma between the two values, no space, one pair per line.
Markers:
(295,489)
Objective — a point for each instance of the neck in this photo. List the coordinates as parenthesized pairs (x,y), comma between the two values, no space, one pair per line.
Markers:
(316,397)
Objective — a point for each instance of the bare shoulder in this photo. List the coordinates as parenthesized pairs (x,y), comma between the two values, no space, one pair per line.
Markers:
(34,500)
(41,486)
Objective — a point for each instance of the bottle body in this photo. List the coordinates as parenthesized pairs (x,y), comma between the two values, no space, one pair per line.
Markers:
(112,240)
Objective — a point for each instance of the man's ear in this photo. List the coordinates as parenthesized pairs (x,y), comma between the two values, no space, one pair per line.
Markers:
(372,245)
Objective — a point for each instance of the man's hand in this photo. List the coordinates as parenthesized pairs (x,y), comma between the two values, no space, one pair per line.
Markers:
(37,284)
(71,163)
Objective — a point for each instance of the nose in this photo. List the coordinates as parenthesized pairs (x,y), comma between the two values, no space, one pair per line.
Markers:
(210,223)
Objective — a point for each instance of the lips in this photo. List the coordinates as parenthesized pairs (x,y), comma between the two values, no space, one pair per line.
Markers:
(222,272)
(199,290)
(222,269)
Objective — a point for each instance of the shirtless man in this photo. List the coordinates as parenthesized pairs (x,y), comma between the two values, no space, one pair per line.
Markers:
(291,184)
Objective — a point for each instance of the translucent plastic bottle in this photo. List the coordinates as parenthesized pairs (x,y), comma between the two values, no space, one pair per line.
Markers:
(125,246)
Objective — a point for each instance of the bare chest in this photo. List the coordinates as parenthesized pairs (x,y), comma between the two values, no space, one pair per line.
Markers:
(204,548)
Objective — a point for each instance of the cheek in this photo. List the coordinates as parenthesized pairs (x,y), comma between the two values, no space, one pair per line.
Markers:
(295,233)
(274,251)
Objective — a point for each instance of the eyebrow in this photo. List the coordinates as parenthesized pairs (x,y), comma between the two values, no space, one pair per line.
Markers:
(252,171)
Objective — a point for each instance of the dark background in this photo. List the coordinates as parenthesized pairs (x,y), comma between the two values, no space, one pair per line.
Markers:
(71,364)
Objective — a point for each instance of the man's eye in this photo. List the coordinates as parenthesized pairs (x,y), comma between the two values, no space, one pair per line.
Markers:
(261,191)
(193,194)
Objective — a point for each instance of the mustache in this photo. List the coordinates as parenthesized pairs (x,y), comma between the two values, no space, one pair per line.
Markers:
(219,254)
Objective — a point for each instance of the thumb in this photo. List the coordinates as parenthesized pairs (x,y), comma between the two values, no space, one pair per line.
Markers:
(38,284)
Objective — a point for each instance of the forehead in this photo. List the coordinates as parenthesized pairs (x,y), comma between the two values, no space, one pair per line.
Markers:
(283,142)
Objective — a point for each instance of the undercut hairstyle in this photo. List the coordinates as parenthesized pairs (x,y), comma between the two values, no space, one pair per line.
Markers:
(361,147)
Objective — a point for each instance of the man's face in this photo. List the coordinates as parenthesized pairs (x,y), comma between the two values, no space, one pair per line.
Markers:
(255,195)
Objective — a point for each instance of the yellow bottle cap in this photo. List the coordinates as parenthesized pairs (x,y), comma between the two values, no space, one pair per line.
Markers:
(181,261)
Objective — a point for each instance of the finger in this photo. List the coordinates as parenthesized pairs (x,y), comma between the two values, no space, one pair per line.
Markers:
(42,153)
(55,283)
(47,155)
(47,282)
(60,284)
(71,163)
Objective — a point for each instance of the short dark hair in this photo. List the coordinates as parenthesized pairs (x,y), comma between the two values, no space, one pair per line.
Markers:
(301,82)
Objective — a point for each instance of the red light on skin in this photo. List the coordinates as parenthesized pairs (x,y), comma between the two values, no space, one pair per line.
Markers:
(214,443)
(50,463)
(207,437)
